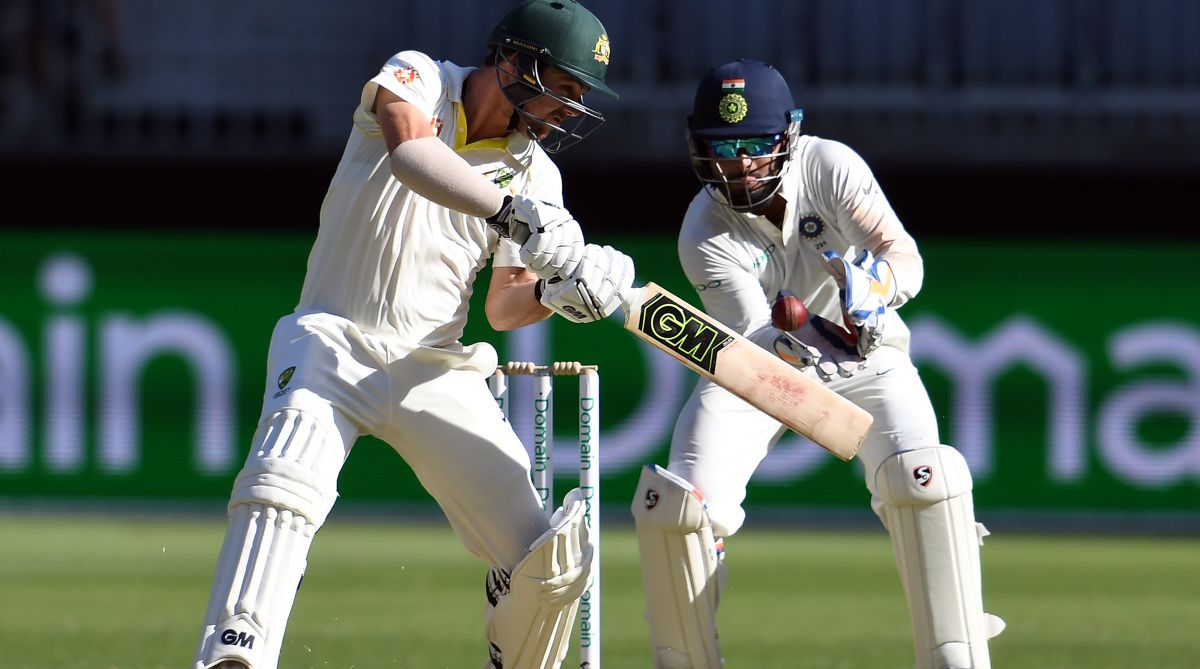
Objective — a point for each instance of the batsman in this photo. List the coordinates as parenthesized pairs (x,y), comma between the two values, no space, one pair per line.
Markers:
(446,169)
(782,215)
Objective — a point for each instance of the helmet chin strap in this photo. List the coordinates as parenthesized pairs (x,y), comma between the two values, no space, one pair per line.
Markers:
(514,120)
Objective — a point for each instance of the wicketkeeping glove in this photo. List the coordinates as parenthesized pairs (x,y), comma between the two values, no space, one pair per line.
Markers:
(822,346)
(867,287)
(594,291)
(550,238)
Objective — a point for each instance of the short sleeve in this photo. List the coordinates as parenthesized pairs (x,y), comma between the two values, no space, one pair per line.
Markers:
(412,76)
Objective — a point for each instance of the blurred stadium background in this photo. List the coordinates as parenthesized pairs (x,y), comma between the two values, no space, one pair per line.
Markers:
(163,164)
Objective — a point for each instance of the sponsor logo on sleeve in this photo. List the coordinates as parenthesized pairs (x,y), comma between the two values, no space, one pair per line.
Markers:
(285,377)
(406,75)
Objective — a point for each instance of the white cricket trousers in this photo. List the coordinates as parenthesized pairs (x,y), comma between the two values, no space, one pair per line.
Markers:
(432,406)
(719,439)
(328,382)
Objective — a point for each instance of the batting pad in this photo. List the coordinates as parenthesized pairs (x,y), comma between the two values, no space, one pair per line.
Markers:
(928,510)
(681,571)
(532,615)
(278,503)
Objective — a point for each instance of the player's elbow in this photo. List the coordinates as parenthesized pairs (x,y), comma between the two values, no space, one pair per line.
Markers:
(503,318)
(512,300)
(908,284)
(501,322)
(508,323)
(908,271)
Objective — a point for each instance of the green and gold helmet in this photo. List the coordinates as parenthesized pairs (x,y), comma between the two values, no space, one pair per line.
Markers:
(562,34)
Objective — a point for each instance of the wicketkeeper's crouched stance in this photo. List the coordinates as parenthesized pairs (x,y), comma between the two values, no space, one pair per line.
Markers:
(781,213)
(446,169)
(924,500)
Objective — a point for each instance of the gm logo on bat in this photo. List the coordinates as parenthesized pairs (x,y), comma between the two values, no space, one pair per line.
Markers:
(664,320)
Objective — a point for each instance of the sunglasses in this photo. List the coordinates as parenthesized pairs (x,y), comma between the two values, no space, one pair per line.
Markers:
(754,147)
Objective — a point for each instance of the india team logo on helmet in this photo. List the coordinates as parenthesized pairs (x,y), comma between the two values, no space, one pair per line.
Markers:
(733,106)
(739,105)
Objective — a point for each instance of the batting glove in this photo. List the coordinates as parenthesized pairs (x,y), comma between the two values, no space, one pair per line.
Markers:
(594,291)
(550,238)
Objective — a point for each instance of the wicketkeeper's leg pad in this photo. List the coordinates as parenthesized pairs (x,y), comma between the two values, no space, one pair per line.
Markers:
(682,572)
(926,504)
(531,613)
(280,499)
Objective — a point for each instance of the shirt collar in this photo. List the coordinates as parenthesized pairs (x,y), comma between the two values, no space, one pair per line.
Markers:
(516,146)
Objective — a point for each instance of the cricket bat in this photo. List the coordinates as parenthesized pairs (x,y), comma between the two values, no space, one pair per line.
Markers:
(747,370)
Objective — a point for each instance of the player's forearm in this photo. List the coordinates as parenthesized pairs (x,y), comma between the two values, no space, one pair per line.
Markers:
(908,271)
(511,302)
(432,170)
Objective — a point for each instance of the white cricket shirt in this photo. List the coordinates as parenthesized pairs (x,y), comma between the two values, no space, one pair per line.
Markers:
(739,262)
(392,261)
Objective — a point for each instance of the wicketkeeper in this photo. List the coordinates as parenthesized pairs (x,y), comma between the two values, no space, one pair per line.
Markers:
(784,212)
(446,167)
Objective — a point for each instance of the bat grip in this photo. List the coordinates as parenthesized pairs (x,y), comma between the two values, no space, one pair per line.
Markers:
(631,298)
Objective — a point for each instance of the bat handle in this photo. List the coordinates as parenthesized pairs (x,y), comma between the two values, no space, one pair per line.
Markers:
(632,298)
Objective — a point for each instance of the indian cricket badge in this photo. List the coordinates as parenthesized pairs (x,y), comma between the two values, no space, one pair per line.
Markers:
(733,106)
(811,226)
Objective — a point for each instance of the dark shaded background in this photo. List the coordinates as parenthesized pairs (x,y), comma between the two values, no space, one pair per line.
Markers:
(1034,119)
(1035,203)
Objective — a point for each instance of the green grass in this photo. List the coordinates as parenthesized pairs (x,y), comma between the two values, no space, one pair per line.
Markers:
(98,593)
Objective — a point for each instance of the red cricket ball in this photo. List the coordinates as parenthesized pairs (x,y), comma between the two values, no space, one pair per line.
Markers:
(788,312)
